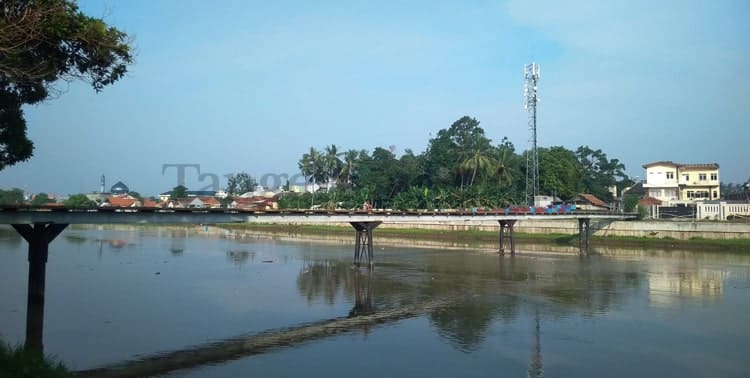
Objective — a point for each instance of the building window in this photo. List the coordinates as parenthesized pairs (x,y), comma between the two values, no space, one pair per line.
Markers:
(716,194)
(701,194)
(686,177)
(702,176)
(714,176)
(670,175)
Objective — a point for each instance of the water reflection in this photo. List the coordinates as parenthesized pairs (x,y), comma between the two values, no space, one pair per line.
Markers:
(536,366)
(479,293)
(666,289)
(363,296)
(240,257)
(486,302)
(327,279)
(9,237)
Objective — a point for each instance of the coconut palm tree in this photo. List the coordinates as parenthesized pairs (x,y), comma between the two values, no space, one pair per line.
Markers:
(502,168)
(479,157)
(331,164)
(314,160)
(351,158)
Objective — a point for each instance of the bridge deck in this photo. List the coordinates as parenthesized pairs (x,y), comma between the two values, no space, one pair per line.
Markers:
(117,215)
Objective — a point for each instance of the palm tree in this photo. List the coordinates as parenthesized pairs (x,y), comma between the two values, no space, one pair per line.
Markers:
(351,158)
(332,164)
(304,166)
(314,160)
(502,169)
(479,158)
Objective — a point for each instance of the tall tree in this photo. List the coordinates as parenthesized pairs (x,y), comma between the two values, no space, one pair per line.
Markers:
(313,168)
(479,158)
(559,172)
(505,154)
(447,152)
(378,174)
(351,158)
(332,165)
(304,166)
(11,197)
(240,183)
(41,43)
(598,172)
(179,191)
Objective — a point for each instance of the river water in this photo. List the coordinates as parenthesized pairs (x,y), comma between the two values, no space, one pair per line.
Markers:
(188,303)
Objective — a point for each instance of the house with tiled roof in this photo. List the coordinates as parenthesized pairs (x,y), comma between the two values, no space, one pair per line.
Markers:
(649,201)
(210,202)
(121,201)
(674,183)
(254,203)
(585,201)
(202,202)
(149,203)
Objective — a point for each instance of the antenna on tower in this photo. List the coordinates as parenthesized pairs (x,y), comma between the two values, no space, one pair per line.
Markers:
(531,75)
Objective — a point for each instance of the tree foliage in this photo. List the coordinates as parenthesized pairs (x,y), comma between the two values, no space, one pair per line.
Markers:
(179,191)
(461,168)
(41,199)
(43,42)
(79,201)
(11,197)
(240,183)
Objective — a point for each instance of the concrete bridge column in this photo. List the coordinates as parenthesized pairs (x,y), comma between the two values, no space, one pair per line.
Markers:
(363,244)
(38,236)
(506,236)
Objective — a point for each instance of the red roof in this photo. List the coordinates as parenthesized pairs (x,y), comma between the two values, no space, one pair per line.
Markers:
(648,201)
(150,203)
(209,200)
(590,198)
(117,201)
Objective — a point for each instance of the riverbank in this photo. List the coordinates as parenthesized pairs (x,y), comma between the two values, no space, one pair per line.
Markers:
(475,236)
(17,362)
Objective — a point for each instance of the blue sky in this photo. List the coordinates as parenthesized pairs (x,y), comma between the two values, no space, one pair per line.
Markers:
(250,85)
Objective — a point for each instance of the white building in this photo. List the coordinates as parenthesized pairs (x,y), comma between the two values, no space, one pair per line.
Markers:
(662,181)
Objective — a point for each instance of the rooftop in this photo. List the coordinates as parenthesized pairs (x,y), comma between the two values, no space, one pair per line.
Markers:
(682,165)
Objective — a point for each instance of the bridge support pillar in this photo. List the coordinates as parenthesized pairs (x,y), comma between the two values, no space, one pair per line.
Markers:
(363,246)
(584,234)
(506,236)
(38,235)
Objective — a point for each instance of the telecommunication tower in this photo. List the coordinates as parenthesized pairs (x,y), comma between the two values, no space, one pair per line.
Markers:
(531,75)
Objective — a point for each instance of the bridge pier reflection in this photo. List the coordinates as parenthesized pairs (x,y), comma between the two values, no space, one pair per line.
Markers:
(584,234)
(363,246)
(364,303)
(38,235)
(506,236)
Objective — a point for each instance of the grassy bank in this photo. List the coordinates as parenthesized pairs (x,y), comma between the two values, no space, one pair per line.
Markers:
(17,362)
(491,236)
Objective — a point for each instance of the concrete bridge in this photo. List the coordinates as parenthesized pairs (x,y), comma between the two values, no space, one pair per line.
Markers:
(39,226)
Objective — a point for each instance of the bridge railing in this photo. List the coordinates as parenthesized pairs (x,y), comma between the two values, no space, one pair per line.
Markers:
(222,210)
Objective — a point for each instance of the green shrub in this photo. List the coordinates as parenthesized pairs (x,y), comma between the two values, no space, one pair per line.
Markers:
(17,362)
